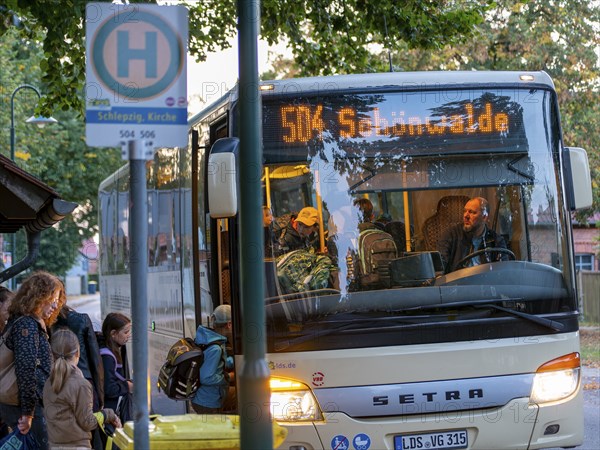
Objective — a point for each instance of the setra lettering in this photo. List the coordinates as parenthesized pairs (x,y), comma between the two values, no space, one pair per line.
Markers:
(429,397)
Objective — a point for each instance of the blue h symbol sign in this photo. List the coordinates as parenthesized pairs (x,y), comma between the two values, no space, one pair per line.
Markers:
(125,54)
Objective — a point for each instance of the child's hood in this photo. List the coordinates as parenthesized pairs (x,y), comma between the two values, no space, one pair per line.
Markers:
(207,336)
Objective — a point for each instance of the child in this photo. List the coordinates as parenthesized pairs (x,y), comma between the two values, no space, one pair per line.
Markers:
(90,362)
(216,393)
(116,331)
(68,398)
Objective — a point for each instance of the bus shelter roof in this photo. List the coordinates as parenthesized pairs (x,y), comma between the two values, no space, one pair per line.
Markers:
(27,201)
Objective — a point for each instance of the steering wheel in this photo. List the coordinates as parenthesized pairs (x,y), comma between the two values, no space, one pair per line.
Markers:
(486,250)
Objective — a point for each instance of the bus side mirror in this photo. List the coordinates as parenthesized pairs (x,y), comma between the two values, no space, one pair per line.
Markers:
(222,178)
(578,178)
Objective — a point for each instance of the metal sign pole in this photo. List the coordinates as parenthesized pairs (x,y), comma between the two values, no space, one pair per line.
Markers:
(136,97)
(256,428)
(138,238)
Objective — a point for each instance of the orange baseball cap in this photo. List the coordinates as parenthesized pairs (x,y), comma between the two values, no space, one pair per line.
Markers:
(308,216)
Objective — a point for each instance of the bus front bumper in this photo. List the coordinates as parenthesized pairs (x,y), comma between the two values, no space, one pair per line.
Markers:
(517,425)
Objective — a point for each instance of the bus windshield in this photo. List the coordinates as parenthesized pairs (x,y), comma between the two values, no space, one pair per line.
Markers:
(418,159)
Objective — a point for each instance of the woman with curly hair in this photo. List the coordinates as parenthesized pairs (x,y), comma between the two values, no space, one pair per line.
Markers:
(33,304)
(62,301)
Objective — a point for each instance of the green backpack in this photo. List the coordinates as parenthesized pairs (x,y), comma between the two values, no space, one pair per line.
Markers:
(302,270)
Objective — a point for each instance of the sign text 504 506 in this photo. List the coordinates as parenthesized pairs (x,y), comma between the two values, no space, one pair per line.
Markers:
(140,134)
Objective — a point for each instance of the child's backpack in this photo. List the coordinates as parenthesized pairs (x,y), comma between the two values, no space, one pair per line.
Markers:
(376,250)
(179,377)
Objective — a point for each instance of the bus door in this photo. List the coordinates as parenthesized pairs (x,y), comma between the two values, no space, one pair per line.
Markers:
(226,261)
(224,240)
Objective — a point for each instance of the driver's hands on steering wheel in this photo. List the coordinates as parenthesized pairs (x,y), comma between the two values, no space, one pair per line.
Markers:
(477,253)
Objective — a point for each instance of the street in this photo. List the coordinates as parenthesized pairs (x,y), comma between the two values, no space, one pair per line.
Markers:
(90,305)
(591,409)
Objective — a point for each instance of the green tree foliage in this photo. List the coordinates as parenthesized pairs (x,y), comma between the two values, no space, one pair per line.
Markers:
(281,67)
(326,36)
(56,154)
(59,248)
(560,37)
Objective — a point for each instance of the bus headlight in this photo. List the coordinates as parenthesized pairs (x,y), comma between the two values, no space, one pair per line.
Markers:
(556,379)
(292,401)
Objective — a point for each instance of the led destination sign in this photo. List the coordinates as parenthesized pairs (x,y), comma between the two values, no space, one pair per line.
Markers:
(422,123)
(304,122)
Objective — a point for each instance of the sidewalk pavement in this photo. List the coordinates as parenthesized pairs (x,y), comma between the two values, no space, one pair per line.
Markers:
(591,372)
(590,377)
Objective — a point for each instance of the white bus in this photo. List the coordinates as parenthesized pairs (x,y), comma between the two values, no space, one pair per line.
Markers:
(481,357)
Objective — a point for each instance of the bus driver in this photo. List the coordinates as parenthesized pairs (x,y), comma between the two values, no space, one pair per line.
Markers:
(473,234)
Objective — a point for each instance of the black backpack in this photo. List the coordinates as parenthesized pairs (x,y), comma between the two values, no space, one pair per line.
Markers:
(179,377)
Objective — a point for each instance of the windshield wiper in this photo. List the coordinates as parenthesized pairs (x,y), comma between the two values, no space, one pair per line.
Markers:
(548,323)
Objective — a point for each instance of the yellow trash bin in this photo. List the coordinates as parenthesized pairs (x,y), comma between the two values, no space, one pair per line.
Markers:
(193,432)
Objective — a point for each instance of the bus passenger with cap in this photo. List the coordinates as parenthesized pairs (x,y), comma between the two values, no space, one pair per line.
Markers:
(301,233)
(472,235)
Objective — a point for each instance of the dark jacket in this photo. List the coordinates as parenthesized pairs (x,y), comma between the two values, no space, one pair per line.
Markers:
(271,243)
(455,244)
(291,240)
(90,362)
(28,339)
(115,377)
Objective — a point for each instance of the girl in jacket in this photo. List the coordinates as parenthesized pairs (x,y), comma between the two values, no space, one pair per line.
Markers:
(90,362)
(118,388)
(68,398)
(26,335)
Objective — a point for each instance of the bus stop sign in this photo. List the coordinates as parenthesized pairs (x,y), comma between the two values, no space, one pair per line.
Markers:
(136,83)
